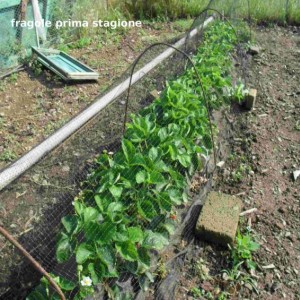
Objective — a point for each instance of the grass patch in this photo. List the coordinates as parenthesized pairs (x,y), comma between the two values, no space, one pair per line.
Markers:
(261,11)
(7,156)
(158,12)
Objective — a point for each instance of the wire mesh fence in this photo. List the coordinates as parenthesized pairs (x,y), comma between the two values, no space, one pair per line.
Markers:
(48,185)
(137,201)
(16,41)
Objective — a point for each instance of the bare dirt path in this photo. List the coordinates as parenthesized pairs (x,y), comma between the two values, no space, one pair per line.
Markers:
(265,152)
(275,153)
(268,141)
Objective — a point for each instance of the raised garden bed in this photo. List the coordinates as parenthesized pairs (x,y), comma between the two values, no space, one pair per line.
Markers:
(127,211)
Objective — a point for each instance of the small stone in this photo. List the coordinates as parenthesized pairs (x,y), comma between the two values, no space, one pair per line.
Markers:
(296,174)
(66,169)
(36,177)
(279,225)
(287,234)
(271,266)
(18,195)
(221,164)
(249,286)
(205,270)
(225,276)
(262,115)
(254,50)
(207,286)
(45,182)
(154,95)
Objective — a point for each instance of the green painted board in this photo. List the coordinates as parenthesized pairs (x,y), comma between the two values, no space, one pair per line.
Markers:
(8,3)
(64,65)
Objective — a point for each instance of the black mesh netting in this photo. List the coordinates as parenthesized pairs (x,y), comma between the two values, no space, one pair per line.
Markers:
(33,205)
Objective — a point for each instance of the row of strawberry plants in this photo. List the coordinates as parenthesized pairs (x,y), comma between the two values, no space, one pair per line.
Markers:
(127,213)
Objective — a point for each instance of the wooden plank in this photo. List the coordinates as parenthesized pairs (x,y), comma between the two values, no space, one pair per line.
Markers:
(78,72)
(24,4)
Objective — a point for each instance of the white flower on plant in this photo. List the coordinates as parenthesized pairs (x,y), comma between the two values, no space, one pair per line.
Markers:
(86,281)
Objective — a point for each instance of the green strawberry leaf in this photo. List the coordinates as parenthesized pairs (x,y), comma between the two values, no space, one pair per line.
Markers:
(83,252)
(127,250)
(70,223)
(64,249)
(154,240)
(135,234)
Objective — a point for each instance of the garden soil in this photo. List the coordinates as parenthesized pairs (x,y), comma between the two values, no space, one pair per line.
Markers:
(266,141)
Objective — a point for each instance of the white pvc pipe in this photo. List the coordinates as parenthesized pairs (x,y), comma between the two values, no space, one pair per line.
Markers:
(33,156)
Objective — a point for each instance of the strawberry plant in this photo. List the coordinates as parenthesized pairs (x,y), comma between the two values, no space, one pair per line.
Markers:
(127,212)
